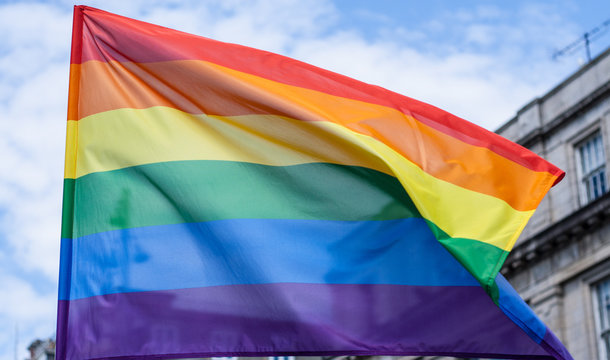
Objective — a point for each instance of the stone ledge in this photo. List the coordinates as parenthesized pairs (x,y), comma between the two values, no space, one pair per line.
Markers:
(558,235)
(536,135)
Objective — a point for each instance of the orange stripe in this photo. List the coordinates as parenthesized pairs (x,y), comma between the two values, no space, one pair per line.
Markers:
(200,87)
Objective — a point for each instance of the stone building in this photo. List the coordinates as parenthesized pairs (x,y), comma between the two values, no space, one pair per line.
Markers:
(560,264)
(42,349)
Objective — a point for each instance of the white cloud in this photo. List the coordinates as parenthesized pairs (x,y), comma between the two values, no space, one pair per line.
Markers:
(480,34)
(24,309)
(30,185)
(489,12)
(33,91)
(23,303)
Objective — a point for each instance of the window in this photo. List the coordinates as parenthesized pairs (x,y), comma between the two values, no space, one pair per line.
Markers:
(603,318)
(592,168)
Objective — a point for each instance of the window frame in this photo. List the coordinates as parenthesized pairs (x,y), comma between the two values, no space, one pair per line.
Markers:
(584,178)
(603,343)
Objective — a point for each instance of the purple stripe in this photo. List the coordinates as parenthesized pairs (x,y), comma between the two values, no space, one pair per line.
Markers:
(552,344)
(275,319)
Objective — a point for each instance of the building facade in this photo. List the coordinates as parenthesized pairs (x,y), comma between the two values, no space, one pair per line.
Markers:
(560,264)
(42,349)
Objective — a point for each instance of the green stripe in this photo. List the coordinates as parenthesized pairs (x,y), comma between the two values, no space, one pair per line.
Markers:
(479,258)
(197,191)
(67,218)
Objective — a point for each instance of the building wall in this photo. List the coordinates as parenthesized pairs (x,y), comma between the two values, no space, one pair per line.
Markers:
(563,252)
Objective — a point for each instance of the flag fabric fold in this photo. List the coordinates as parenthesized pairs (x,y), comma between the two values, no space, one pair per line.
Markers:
(222,201)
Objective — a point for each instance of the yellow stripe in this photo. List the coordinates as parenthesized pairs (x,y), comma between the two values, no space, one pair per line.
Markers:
(129,137)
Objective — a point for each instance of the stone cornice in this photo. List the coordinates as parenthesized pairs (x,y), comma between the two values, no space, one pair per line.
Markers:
(538,134)
(559,234)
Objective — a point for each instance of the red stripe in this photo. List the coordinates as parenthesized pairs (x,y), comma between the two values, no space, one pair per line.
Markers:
(108,37)
(77,30)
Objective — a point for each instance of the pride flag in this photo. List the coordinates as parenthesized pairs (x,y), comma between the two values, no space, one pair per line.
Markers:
(225,201)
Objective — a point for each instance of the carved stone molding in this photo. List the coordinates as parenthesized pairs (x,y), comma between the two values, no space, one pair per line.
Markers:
(570,229)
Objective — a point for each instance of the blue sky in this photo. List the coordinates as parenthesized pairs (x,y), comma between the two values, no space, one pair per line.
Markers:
(481,60)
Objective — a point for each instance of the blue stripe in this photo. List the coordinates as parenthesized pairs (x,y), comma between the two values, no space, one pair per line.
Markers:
(65,270)
(259,251)
(518,311)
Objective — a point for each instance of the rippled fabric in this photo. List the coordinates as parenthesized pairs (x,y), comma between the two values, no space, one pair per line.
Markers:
(225,201)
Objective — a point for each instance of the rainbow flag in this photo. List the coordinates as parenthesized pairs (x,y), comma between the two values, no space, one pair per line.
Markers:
(226,201)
